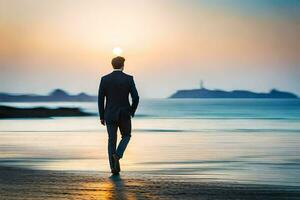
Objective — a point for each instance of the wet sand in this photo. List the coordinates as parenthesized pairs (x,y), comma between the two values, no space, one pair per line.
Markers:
(16,183)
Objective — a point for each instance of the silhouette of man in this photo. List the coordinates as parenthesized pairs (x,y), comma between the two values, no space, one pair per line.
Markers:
(114,89)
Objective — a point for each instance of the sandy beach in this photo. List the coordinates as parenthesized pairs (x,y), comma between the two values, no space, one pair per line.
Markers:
(16,183)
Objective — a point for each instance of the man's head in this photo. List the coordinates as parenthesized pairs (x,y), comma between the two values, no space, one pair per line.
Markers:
(118,62)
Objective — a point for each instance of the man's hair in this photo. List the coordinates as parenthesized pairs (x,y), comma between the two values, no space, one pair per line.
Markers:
(118,62)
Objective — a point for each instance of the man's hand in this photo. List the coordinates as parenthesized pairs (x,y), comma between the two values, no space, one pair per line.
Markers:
(102,122)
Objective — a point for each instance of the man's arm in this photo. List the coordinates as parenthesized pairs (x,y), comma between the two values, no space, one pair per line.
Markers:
(134,96)
(101,96)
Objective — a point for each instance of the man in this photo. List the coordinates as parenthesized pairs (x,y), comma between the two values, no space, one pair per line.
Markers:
(117,112)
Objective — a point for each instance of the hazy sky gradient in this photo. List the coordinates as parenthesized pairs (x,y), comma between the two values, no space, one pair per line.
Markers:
(169,45)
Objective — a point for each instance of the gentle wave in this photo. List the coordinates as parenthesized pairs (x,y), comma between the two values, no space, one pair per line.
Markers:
(219,130)
(214,118)
(290,163)
(169,130)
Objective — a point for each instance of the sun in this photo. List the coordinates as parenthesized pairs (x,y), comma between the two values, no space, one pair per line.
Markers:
(117,51)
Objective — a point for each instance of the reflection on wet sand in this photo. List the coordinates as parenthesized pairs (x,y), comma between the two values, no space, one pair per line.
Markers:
(119,190)
(112,188)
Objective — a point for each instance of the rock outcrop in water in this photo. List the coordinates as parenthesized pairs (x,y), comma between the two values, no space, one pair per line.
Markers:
(40,112)
(206,93)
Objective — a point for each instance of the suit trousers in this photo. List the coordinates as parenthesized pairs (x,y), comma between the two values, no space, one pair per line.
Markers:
(124,126)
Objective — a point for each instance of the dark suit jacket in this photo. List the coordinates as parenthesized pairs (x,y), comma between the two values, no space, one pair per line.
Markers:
(115,89)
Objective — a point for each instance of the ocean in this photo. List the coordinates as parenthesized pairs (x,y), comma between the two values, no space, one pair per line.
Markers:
(236,140)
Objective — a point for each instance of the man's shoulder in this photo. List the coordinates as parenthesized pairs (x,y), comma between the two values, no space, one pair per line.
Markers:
(128,75)
(106,76)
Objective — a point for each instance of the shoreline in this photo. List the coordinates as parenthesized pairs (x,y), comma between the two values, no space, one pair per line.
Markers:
(20,183)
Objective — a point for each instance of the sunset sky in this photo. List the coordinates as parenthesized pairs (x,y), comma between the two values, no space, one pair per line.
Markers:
(168,44)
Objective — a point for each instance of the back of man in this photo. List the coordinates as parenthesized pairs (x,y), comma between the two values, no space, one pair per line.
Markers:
(116,111)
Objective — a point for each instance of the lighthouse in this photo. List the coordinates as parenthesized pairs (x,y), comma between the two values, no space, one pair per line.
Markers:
(201,84)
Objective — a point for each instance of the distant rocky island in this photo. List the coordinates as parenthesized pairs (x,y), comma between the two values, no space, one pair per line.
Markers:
(59,95)
(7,112)
(207,93)
(56,95)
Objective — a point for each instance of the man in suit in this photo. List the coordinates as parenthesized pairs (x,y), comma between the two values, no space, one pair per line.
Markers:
(114,89)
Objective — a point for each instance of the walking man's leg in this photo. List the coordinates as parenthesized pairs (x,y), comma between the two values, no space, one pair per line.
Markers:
(112,142)
(125,129)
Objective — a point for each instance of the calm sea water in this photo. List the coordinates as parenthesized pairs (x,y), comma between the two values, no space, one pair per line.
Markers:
(249,140)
